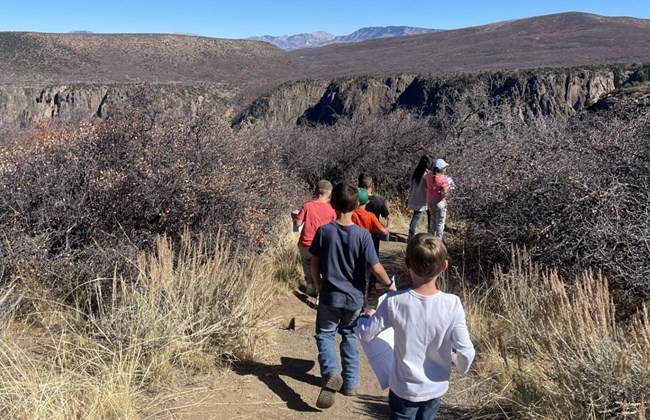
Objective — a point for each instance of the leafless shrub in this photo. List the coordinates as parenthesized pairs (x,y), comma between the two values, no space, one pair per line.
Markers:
(383,146)
(575,193)
(79,203)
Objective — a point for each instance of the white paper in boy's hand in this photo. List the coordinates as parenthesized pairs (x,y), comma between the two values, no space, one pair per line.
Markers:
(379,352)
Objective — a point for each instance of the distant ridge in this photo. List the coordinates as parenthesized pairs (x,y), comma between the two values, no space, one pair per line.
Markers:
(246,67)
(319,39)
(556,40)
(81,32)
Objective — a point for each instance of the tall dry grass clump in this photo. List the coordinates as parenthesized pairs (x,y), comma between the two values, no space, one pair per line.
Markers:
(284,258)
(557,351)
(193,307)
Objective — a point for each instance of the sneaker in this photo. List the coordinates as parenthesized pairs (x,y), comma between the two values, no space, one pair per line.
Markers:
(327,393)
(350,392)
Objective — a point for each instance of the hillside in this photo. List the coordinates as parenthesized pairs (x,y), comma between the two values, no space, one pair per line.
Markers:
(567,39)
(38,59)
(524,94)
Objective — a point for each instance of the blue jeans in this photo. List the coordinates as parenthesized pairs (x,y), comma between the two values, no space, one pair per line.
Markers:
(416,218)
(401,409)
(328,321)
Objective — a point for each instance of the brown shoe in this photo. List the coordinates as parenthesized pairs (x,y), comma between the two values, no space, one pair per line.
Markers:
(350,392)
(331,386)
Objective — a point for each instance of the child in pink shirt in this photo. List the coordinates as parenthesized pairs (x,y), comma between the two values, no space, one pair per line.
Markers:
(437,187)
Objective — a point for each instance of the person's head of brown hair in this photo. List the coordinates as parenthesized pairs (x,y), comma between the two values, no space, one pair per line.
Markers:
(365,181)
(426,255)
(323,187)
(344,198)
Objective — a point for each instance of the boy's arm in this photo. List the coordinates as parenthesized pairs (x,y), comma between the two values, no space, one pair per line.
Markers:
(385,213)
(461,342)
(315,271)
(299,218)
(370,326)
(445,192)
(378,226)
(381,274)
(389,222)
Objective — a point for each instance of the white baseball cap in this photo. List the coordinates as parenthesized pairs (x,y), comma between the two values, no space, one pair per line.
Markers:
(441,164)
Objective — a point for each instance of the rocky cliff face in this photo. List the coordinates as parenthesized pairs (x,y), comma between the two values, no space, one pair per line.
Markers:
(527,95)
(23,106)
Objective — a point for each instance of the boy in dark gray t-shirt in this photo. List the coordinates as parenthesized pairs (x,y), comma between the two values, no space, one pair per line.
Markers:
(341,254)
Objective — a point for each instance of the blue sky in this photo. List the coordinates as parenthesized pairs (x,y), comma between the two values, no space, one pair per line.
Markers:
(244,18)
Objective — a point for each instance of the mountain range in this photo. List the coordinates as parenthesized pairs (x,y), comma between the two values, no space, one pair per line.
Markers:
(47,75)
(320,38)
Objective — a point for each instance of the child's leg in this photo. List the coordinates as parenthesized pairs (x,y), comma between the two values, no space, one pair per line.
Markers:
(305,259)
(349,349)
(414,222)
(433,216)
(327,321)
(401,409)
(429,409)
(441,215)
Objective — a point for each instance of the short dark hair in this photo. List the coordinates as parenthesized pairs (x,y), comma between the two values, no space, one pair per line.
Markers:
(344,198)
(426,255)
(365,181)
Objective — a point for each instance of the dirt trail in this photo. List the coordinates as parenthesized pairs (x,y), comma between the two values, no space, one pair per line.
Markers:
(286,384)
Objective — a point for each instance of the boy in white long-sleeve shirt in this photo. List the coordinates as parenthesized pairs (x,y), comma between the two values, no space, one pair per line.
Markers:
(430,333)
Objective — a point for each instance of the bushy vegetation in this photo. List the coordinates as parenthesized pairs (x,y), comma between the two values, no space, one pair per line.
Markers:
(78,204)
(384,146)
(575,193)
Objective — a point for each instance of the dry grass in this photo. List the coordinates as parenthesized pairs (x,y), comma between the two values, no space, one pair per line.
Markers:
(557,352)
(189,311)
(284,258)
(400,215)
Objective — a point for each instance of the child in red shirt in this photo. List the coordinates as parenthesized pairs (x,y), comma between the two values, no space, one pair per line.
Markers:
(369,222)
(366,219)
(311,216)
